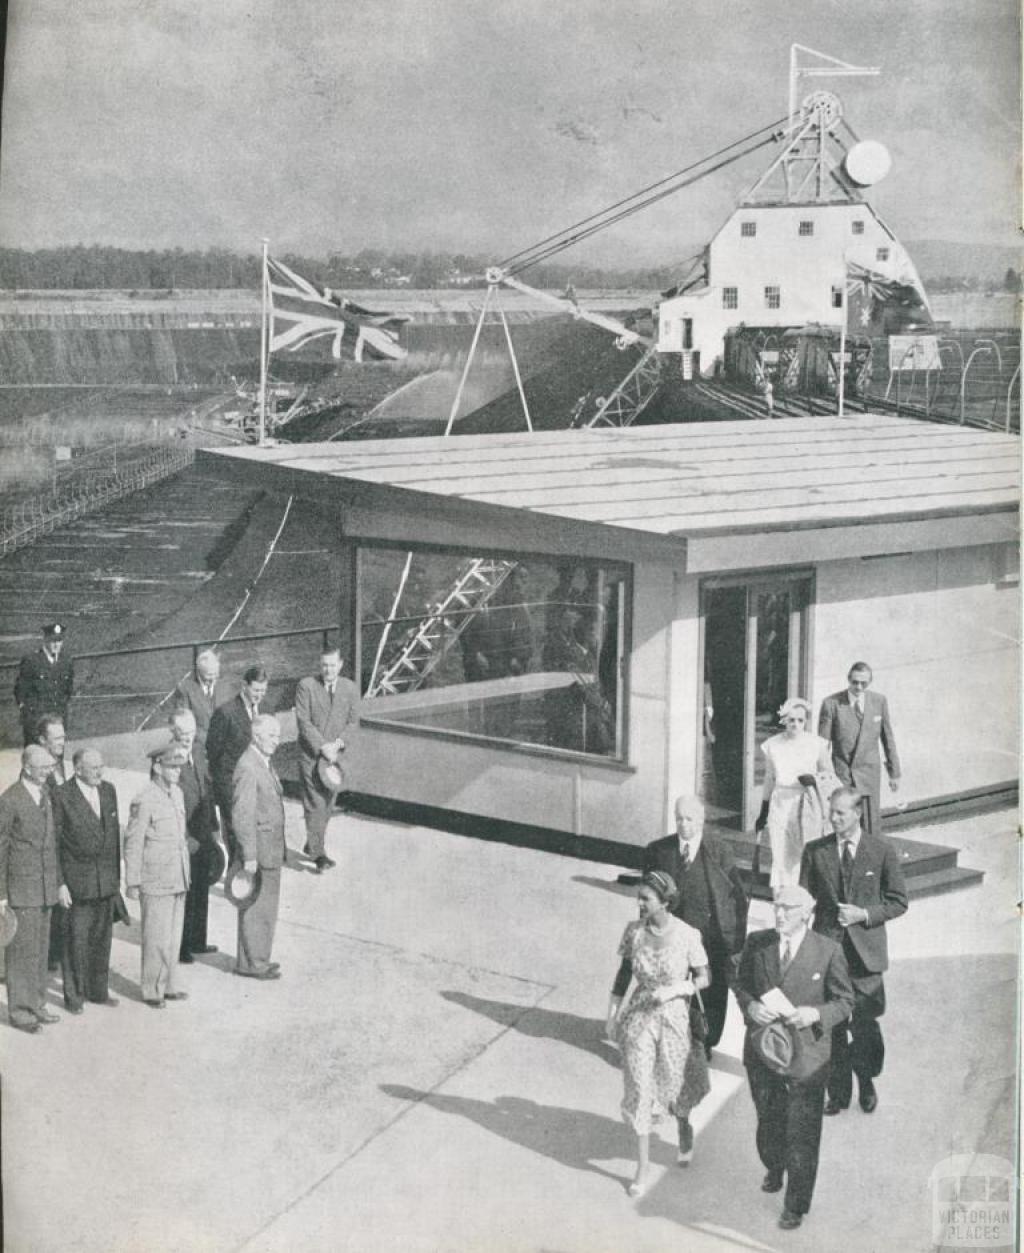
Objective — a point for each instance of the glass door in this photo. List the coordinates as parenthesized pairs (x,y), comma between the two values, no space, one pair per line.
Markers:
(755,655)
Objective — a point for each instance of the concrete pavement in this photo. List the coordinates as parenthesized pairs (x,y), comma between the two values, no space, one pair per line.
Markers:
(429,1074)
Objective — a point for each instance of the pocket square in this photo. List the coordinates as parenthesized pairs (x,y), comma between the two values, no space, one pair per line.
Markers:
(877,718)
(815,976)
(869,874)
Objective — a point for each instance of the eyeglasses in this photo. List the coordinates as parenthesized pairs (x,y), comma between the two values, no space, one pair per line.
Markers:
(859,682)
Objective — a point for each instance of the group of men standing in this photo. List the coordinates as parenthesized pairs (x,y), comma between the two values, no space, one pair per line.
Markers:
(826,955)
(61,836)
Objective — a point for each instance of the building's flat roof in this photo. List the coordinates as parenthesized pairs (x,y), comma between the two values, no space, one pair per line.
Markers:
(688,479)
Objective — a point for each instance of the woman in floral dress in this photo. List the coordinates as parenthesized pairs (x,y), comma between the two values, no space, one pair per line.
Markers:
(662,1071)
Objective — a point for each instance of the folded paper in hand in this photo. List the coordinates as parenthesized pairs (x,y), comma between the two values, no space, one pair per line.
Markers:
(778,1002)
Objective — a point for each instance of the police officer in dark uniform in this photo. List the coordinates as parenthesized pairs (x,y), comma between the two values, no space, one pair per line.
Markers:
(45,682)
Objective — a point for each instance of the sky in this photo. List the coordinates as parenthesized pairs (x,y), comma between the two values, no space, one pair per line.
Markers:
(478,126)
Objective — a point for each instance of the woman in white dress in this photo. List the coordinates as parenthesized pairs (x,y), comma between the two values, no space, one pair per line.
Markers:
(791,807)
(663,1071)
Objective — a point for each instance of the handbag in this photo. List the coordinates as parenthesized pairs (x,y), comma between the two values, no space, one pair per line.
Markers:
(698,1019)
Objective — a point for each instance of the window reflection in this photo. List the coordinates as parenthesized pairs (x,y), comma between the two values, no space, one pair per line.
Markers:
(526,651)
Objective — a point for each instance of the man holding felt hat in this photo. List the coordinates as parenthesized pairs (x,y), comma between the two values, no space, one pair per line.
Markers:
(327,714)
(793,988)
(156,872)
(45,682)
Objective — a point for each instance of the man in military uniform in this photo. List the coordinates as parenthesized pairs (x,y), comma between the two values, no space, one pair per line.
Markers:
(156,872)
(45,682)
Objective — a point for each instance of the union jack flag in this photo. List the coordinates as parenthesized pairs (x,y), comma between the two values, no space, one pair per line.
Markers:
(302,312)
(882,306)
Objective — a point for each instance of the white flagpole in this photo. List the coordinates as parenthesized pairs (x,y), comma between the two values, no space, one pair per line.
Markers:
(264,346)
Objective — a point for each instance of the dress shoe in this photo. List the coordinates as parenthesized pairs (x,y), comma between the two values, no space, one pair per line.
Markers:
(175,996)
(789,1220)
(44,1015)
(109,1001)
(73,1009)
(187,958)
(638,1187)
(271,972)
(685,1142)
(833,1107)
(30,1028)
(772,1182)
(868,1098)
(202,949)
(324,863)
(155,1004)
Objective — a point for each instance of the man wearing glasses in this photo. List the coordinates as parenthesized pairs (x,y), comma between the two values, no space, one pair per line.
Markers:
(856,724)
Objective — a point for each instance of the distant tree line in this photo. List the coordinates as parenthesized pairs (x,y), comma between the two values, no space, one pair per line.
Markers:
(88,267)
(972,282)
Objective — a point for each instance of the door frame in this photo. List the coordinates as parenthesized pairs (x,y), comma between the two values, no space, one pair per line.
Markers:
(801,635)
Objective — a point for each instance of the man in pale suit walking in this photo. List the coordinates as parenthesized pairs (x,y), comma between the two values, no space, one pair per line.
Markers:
(257,809)
(856,724)
(327,714)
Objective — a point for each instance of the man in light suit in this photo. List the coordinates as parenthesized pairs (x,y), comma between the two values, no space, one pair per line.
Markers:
(711,898)
(203,691)
(810,971)
(89,848)
(200,833)
(855,723)
(30,885)
(229,736)
(858,887)
(327,714)
(258,809)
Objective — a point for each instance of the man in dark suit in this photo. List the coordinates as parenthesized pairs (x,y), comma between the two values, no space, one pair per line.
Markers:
(858,887)
(711,898)
(810,972)
(89,848)
(327,715)
(258,809)
(45,682)
(203,691)
(30,885)
(200,833)
(856,724)
(50,734)
(229,736)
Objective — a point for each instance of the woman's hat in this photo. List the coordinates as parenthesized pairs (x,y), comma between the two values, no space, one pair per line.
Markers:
(216,863)
(242,888)
(331,775)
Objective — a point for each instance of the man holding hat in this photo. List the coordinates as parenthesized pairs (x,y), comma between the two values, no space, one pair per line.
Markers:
(327,713)
(45,682)
(156,872)
(793,988)
(257,809)
(205,857)
(31,883)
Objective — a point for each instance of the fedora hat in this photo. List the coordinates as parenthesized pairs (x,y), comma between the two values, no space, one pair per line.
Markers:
(8,927)
(216,863)
(331,775)
(773,1045)
(242,888)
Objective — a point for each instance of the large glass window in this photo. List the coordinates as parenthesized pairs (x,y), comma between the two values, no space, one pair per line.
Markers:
(523,650)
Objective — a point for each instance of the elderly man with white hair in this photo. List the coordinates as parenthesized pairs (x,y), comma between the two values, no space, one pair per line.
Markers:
(31,883)
(202,691)
(257,813)
(794,988)
(200,832)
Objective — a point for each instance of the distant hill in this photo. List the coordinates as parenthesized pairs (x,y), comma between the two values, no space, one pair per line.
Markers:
(941,258)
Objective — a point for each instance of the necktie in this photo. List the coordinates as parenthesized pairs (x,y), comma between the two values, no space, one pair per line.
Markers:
(785,957)
(254,711)
(858,705)
(685,857)
(847,858)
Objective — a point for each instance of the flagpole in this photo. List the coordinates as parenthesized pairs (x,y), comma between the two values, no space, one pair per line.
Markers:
(842,341)
(264,346)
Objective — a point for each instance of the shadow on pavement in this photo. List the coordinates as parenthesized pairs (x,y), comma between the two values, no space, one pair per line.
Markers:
(607,885)
(573,1137)
(544,1024)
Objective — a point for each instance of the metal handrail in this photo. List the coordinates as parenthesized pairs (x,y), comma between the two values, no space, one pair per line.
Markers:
(196,645)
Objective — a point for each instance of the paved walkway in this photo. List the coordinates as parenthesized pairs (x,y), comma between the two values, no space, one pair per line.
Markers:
(429,1074)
